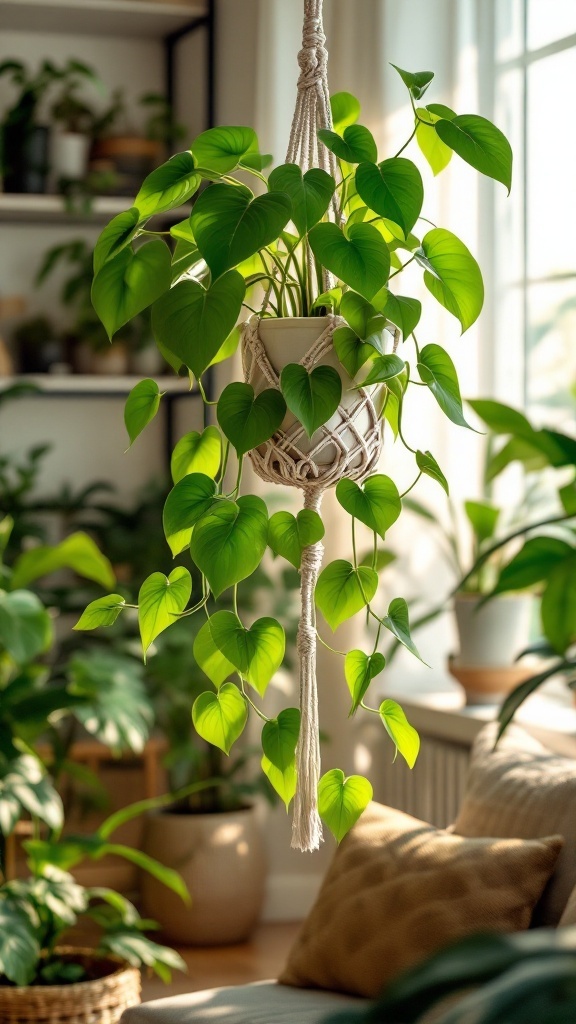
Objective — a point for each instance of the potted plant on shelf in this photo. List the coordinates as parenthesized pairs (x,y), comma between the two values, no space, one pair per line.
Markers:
(325,245)
(74,117)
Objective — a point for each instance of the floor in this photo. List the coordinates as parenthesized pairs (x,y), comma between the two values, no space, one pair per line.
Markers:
(262,957)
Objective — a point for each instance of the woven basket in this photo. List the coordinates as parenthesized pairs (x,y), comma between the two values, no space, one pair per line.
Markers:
(102,1000)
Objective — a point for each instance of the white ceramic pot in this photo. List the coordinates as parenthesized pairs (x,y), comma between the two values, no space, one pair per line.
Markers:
(222,860)
(70,155)
(495,634)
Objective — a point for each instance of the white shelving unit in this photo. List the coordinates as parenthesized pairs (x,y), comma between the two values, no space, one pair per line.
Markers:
(133,18)
(92,384)
(47,209)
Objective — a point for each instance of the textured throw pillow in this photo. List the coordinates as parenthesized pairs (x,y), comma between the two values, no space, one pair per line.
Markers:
(522,790)
(569,915)
(399,889)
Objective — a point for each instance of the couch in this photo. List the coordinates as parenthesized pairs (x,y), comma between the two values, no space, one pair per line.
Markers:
(520,791)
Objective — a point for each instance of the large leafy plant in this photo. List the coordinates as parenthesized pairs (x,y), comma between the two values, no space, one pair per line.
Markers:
(362,227)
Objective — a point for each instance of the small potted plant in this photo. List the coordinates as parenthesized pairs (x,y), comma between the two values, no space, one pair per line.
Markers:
(327,245)
(37,345)
(74,118)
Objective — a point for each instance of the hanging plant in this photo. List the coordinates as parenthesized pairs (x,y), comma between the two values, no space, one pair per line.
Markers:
(328,357)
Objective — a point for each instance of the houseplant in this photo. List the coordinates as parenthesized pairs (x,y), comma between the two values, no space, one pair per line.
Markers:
(233,239)
(25,143)
(74,117)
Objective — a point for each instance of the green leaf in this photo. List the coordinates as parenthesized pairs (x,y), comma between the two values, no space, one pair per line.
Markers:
(256,652)
(427,464)
(362,260)
(102,612)
(453,276)
(189,500)
(169,186)
(437,153)
(194,322)
(392,189)
(533,563)
(139,950)
(78,552)
(211,660)
(228,543)
(309,193)
(288,535)
(502,419)
(341,801)
(360,669)
(229,347)
(219,718)
(167,876)
(416,81)
(402,734)
(441,110)
(230,224)
(115,237)
(383,369)
(351,352)
(354,145)
(480,144)
(279,740)
(130,282)
(25,626)
(376,502)
(342,590)
(183,231)
(116,708)
(558,608)
(567,495)
(438,372)
(185,256)
(397,622)
(6,527)
(141,407)
(361,315)
(25,787)
(221,149)
(19,946)
(404,312)
(312,397)
(248,420)
(395,390)
(516,449)
(329,300)
(197,452)
(483,518)
(345,110)
(160,600)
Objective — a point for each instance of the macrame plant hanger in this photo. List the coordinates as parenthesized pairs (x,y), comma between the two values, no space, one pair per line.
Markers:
(354,444)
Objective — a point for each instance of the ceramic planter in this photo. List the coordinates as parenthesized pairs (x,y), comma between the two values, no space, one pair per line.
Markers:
(114,986)
(222,860)
(490,638)
(70,155)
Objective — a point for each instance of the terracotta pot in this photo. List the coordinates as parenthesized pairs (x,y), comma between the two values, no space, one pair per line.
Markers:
(130,158)
(114,986)
(110,362)
(486,685)
(222,861)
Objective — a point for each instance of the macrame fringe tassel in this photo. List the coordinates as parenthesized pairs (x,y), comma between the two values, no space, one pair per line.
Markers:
(306,824)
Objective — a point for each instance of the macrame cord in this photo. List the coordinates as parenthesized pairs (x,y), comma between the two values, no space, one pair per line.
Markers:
(349,446)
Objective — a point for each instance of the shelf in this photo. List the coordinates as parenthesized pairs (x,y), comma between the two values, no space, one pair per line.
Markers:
(50,209)
(77,385)
(134,18)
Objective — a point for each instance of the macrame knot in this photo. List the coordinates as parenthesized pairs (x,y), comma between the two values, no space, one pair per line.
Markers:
(313,57)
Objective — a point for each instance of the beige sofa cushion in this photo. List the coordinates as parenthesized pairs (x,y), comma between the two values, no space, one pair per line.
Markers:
(398,889)
(569,915)
(521,789)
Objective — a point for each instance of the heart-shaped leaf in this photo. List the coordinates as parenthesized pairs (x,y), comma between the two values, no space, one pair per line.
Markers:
(230,225)
(310,193)
(248,420)
(102,612)
(228,543)
(342,800)
(416,81)
(26,629)
(288,535)
(403,735)
(279,740)
(78,551)
(376,502)
(342,590)
(211,660)
(427,464)
(220,718)
(361,315)
(351,352)
(256,652)
(533,563)
(480,143)
(312,397)
(483,518)
(221,149)
(354,145)
(169,186)
(116,235)
(397,621)
(345,110)
(453,276)
(362,260)
(360,669)
(197,452)
(392,189)
(160,600)
(383,369)
(437,370)
(403,312)
(437,153)
(130,282)
(189,500)
(395,390)
(194,322)
(141,407)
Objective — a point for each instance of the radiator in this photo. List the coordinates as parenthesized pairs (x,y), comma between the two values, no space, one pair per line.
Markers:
(433,789)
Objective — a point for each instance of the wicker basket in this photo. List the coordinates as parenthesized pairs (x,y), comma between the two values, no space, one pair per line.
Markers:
(102,1000)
